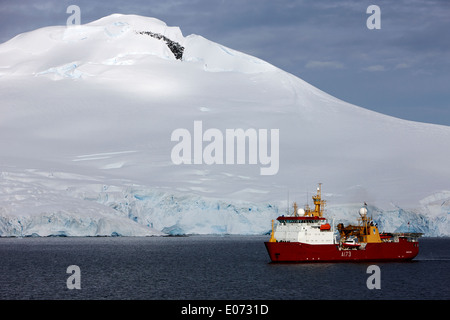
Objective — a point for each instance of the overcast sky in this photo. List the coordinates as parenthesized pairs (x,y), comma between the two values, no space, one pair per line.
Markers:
(402,69)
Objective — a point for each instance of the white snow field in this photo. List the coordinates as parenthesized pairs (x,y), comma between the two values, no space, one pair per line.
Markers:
(86,121)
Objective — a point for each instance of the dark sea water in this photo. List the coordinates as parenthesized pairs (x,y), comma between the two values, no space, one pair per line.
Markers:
(206,268)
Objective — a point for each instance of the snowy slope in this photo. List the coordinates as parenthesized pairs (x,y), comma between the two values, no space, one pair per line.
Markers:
(86,118)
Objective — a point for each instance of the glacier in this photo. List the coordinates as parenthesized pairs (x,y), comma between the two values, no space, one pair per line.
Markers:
(62,204)
(87,114)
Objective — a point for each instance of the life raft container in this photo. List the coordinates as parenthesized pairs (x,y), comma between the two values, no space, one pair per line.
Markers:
(325,226)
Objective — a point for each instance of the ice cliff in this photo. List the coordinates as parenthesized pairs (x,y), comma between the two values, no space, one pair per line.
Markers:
(61,204)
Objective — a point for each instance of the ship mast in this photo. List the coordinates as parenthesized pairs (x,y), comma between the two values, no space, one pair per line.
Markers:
(319,204)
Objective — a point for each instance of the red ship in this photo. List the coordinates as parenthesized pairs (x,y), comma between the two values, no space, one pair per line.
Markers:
(306,236)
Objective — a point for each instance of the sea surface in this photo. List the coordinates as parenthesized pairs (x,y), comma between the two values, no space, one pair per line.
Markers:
(205,268)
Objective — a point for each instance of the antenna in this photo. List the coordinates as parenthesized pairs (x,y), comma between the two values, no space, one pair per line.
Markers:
(287,208)
(307,197)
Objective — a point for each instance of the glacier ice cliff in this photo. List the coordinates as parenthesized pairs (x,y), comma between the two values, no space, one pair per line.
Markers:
(189,214)
(60,204)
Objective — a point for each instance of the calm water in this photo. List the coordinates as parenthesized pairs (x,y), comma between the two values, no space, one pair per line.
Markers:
(205,267)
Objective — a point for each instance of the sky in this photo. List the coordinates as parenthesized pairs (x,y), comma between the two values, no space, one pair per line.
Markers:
(401,69)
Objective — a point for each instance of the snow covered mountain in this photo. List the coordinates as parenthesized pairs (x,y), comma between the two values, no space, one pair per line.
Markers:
(87,121)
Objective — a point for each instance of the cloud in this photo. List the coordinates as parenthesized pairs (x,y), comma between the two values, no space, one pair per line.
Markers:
(324,64)
(375,68)
(402,66)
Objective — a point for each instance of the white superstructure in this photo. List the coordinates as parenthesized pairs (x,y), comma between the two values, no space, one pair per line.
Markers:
(304,229)
(305,225)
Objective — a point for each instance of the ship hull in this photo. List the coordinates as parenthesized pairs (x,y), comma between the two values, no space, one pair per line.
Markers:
(403,250)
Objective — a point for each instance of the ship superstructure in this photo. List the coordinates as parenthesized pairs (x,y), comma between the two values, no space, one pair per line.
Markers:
(307,236)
